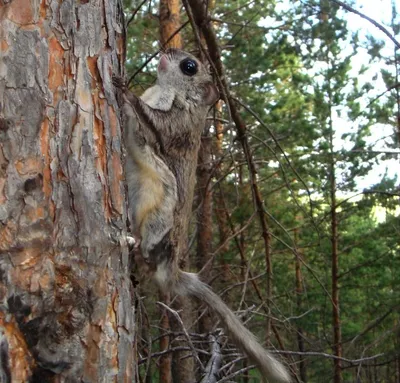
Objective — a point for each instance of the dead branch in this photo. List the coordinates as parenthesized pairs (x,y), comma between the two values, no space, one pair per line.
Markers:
(178,318)
(169,351)
(354,362)
(214,363)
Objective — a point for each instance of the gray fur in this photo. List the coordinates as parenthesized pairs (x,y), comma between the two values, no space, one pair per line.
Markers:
(273,371)
(159,127)
(141,158)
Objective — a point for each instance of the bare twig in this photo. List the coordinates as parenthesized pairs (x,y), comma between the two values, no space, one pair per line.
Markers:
(261,122)
(372,21)
(390,88)
(236,373)
(353,362)
(363,264)
(375,323)
(386,193)
(299,316)
(178,318)
(169,351)
(237,284)
(238,8)
(243,26)
(373,152)
(135,11)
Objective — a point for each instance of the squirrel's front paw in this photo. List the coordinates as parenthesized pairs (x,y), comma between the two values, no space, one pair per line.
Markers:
(133,242)
(119,82)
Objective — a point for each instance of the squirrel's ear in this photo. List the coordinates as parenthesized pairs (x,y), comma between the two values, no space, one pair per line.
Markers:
(211,94)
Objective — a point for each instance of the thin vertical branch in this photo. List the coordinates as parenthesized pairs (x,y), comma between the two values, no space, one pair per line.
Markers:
(204,24)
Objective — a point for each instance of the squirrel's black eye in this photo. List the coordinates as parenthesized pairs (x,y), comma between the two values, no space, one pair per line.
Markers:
(188,67)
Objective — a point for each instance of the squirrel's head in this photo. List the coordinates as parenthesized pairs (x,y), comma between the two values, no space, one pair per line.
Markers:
(188,76)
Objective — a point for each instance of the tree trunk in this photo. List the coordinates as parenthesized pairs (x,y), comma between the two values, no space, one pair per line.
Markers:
(204,227)
(337,333)
(397,361)
(219,204)
(165,360)
(182,368)
(66,312)
(169,24)
(299,304)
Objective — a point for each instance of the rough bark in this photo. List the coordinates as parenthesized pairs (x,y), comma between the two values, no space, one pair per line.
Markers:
(204,217)
(170,23)
(66,301)
(204,225)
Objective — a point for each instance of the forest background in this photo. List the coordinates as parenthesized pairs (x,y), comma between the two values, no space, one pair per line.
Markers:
(300,236)
(295,221)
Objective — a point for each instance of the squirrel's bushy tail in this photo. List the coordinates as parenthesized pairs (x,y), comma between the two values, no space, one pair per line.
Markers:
(273,371)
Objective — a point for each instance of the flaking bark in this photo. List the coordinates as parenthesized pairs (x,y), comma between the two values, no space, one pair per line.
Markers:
(66,302)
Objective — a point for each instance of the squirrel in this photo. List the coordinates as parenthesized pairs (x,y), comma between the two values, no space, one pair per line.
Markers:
(166,117)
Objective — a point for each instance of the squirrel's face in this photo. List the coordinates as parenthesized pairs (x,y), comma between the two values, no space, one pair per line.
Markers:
(187,75)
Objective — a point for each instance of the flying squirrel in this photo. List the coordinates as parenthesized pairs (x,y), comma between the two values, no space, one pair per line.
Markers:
(166,120)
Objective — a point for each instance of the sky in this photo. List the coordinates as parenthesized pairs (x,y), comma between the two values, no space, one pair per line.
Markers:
(380,11)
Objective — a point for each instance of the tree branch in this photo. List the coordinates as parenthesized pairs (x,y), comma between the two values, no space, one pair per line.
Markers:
(135,11)
(372,21)
(178,318)
(214,363)
(353,362)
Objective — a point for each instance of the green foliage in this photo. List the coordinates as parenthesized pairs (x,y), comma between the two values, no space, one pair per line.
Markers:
(312,109)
